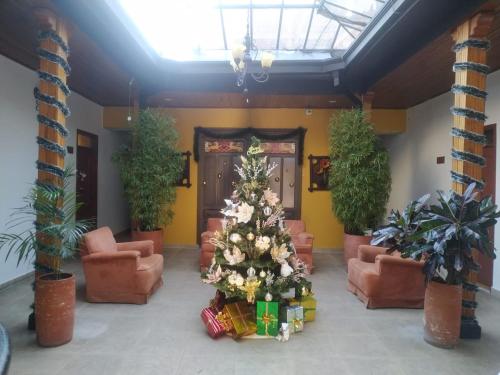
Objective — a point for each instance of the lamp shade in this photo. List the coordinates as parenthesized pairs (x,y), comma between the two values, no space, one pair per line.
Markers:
(267,60)
(238,52)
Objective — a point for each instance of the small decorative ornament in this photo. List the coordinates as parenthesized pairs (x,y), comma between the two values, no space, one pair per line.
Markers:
(251,272)
(252,196)
(239,280)
(250,236)
(268,297)
(268,210)
(286,270)
(262,274)
(284,333)
(235,238)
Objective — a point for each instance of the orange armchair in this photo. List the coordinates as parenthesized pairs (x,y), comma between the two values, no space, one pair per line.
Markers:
(382,280)
(302,241)
(127,272)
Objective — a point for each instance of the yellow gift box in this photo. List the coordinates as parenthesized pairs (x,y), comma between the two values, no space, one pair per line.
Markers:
(242,318)
(309,305)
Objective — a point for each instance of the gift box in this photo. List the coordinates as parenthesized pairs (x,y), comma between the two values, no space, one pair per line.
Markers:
(242,318)
(294,316)
(218,302)
(267,318)
(309,305)
(225,320)
(214,327)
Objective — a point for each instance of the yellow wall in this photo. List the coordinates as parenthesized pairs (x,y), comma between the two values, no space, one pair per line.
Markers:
(316,206)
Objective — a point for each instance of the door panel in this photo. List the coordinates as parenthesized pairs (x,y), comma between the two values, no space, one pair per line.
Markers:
(288,186)
(86,175)
(208,183)
(275,179)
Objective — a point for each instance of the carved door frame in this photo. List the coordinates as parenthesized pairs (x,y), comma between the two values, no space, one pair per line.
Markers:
(246,139)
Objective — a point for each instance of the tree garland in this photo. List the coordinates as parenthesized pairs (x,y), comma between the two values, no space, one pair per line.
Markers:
(468,112)
(46,143)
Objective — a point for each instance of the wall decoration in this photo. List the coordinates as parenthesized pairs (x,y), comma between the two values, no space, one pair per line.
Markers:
(319,166)
(185,179)
(224,145)
(278,147)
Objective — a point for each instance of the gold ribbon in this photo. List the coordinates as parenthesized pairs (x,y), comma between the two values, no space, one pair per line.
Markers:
(225,321)
(297,324)
(267,319)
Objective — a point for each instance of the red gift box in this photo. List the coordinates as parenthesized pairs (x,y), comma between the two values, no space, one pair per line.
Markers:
(214,327)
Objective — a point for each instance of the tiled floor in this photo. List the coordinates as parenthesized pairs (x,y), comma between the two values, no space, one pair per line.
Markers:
(167,337)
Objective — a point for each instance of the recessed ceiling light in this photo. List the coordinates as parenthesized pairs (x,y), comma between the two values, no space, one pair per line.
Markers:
(167,99)
(332,101)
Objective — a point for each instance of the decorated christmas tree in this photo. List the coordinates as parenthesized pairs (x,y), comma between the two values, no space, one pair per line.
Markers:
(255,258)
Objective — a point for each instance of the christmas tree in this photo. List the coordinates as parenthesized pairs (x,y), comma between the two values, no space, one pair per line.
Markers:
(255,258)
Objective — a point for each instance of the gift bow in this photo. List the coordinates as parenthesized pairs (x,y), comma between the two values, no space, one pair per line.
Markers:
(297,324)
(267,319)
(225,321)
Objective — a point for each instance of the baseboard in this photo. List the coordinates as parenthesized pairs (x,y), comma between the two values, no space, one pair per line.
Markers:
(17,279)
(181,247)
(323,249)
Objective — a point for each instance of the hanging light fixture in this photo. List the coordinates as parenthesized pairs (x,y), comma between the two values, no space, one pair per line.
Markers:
(242,57)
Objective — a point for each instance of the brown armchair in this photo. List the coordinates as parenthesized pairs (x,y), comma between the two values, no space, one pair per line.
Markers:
(302,241)
(383,280)
(127,272)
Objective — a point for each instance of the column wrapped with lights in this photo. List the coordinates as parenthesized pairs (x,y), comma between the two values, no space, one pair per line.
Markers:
(468,131)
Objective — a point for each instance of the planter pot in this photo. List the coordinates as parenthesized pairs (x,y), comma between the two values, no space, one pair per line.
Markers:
(351,244)
(156,236)
(54,309)
(442,312)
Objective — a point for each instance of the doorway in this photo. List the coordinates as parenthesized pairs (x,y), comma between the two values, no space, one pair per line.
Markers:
(485,275)
(86,175)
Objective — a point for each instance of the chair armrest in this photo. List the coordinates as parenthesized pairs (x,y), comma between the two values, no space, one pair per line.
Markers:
(390,261)
(106,258)
(205,236)
(368,253)
(144,247)
(305,237)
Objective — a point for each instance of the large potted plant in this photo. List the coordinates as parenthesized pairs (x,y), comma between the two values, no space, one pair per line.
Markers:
(46,226)
(444,235)
(150,165)
(360,177)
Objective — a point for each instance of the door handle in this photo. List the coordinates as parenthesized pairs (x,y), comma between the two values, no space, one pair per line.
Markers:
(291,184)
(277,179)
(219,175)
(204,182)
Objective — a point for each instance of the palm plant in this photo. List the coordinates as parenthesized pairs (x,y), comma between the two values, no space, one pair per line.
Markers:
(46,225)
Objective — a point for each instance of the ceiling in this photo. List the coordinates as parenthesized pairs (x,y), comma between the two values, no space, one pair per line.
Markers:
(105,56)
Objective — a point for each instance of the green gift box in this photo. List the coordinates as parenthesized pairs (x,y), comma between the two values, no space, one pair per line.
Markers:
(294,316)
(267,318)
(309,305)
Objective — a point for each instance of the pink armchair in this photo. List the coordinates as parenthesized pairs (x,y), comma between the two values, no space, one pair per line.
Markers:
(127,272)
(302,241)
(383,280)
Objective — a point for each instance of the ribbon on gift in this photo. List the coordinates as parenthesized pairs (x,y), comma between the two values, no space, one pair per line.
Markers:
(225,321)
(298,324)
(268,319)
(213,325)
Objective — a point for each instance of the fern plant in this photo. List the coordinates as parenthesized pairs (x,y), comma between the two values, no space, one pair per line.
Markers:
(150,166)
(46,224)
(360,177)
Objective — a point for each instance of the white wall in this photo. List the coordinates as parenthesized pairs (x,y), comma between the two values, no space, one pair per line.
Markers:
(18,152)
(413,154)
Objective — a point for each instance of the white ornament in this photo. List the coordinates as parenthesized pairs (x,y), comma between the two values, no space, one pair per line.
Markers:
(286,270)
(268,297)
(251,272)
(262,274)
(250,236)
(268,210)
(252,196)
(245,212)
(235,238)
(231,279)
(235,257)
(279,254)
(271,197)
(239,280)
(263,243)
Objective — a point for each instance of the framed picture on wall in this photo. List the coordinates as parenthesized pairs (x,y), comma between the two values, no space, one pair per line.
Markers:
(185,179)
(319,166)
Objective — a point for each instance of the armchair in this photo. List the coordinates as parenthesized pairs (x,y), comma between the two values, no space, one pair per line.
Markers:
(207,250)
(127,272)
(382,280)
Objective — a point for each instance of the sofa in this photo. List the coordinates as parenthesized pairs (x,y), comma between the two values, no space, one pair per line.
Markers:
(302,241)
(382,280)
(127,272)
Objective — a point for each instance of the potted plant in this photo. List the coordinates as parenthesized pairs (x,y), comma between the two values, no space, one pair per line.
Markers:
(360,178)
(444,236)
(47,227)
(149,167)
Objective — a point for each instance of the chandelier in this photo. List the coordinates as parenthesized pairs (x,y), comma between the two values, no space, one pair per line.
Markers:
(244,54)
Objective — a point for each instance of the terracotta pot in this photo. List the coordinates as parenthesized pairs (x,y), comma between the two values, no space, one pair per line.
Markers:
(54,309)
(442,312)
(351,244)
(156,236)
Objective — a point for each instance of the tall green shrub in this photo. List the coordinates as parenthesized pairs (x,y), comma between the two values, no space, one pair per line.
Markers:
(360,177)
(149,166)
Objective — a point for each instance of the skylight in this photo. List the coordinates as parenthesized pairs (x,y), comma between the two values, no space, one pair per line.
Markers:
(206,30)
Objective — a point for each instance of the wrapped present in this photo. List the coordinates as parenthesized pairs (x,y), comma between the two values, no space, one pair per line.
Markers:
(294,316)
(267,318)
(218,302)
(309,305)
(214,327)
(241,317)
(226,322)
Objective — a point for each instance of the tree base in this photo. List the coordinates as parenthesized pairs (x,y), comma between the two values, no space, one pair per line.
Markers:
(470,329)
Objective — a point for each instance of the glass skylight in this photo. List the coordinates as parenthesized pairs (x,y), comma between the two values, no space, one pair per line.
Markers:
(206,30)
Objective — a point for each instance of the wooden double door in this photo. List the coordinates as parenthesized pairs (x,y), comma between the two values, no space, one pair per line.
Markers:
(217,176)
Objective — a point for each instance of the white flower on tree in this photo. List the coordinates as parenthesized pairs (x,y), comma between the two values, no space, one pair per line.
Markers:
(279,254)
(262,243)
(235,257)
(286,270)
(245,212)
(271,197)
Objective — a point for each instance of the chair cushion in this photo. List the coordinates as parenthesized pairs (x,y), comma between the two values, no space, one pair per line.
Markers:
(295,226)
(214,224)
(100,240)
